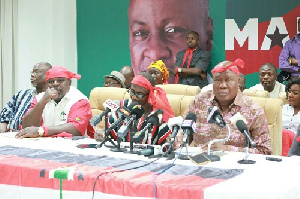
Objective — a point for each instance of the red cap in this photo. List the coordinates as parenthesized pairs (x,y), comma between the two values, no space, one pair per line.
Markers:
(60,71)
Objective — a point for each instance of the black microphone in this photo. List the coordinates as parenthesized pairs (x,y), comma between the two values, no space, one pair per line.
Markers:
(153,120)
(109,106)
(214,116)
(136,112)
(188,126)
(239,121)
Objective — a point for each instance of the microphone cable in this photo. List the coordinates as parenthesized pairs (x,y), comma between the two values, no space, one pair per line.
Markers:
(164,170)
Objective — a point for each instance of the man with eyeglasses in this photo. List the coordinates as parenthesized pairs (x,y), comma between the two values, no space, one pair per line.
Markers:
(229,100)
(11,115)
(114,79)
(61,111)
(151,98)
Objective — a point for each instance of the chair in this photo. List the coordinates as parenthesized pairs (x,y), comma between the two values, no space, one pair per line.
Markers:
(256,93)
(180,89)
(282,96)
(273,110)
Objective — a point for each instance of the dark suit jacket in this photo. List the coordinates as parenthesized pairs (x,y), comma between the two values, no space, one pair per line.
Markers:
(200,59)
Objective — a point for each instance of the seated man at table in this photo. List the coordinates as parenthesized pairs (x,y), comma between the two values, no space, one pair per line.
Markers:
(150,98)
(61,111)
(12,113)
(229,100)
(267,78)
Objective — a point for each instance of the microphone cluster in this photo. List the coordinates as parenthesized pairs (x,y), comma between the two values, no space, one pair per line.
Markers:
(128,115)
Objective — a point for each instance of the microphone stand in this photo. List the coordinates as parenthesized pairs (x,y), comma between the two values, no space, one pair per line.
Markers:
(186,156)
(107,135)
(214,158)
(131,133)
(245,160)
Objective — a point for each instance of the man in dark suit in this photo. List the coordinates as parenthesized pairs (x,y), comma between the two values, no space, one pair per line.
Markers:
(191,64)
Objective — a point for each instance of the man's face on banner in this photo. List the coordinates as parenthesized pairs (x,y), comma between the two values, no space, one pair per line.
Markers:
(158,30)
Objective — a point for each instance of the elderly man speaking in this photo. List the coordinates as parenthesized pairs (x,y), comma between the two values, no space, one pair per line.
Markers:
(229,100)
(62,110)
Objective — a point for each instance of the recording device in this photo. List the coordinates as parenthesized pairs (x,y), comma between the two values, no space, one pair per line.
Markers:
(154,119)
(151,151)
(274,159)
(214,116)
(240,123)
(110,106)
(188,126)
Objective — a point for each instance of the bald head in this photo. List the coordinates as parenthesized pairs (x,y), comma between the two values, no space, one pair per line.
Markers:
(128,73)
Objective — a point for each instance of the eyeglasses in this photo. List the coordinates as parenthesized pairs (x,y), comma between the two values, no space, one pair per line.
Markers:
(58,81)
(108,84)
(139,95)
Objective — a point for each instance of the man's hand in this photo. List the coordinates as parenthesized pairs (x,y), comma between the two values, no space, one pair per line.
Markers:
(203,75)
(99,135)
(50,93)
(174,70)
(29,132)
(3,127)
(293,61)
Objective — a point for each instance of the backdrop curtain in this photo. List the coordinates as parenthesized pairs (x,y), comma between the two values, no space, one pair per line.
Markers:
(8,30)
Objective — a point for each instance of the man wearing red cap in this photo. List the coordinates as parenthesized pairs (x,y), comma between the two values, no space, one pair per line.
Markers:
(61,111)
(227,97)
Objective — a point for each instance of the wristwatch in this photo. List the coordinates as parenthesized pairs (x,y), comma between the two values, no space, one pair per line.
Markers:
(179,70)
(290,61)
(41,131)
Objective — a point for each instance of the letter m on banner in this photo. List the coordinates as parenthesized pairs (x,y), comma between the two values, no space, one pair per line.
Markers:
(249,31)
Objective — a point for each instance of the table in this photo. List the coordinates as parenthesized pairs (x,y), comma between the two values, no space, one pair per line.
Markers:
(56,168)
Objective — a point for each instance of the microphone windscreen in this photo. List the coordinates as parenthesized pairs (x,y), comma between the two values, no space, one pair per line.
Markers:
(237,117)
(241,126)
(138,110)
(191,116)
(153,120)
(130,107)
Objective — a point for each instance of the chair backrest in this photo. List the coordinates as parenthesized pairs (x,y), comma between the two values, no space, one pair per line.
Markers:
(180,89)
(273,110)
(256,93)
(282,96)
(100,94)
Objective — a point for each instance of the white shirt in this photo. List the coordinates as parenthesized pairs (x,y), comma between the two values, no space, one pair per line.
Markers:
(289,120)
(56,114)
(209,87)
(275,93)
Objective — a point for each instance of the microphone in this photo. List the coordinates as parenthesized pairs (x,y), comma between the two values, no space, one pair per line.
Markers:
(136,112)
(124,113)
(153,120)
(188,126)
(109,106)
(174,124)
(240,123)
(214,116)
